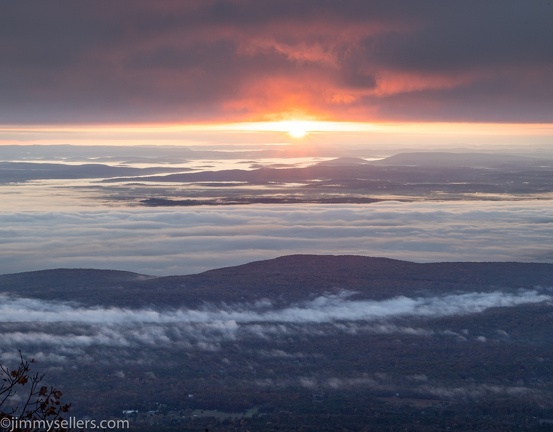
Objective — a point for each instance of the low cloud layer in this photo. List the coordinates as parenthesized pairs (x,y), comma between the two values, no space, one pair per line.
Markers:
(183,241)
(70,327)
(323,309)
(386,383)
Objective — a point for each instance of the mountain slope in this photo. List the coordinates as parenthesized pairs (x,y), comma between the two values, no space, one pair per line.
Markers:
(288,279)
(298,341)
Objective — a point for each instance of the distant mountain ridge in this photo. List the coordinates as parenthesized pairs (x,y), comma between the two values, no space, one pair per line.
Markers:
(24,171)
(440,159)
(459,159)
(344,161)
(288,279)
(400,168)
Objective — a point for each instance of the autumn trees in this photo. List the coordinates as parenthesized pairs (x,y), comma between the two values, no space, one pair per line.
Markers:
(25,403)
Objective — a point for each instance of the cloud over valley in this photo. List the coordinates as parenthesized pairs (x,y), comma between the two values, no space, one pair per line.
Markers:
(68,326)
(183,240)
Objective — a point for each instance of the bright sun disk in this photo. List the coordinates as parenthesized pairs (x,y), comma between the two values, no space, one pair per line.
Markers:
(296,129)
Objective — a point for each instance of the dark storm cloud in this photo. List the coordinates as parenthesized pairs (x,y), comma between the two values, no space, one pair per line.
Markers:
(165,61)
(471,36)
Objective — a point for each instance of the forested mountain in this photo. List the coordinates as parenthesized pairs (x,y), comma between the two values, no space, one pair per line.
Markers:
(319,342)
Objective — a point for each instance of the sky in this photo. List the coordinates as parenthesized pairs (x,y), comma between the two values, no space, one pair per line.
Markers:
(200,63)
(373,77)
(379,75)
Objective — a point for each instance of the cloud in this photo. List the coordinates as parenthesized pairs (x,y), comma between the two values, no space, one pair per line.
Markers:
(177,241)
(482,390)
(138,61)
(389,384)
(70,327)
(323,309)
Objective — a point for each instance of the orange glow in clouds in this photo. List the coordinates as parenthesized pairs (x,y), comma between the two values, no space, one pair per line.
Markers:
(256,132)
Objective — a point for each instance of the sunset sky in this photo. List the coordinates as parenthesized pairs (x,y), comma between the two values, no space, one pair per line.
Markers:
(323,77)
(200,65)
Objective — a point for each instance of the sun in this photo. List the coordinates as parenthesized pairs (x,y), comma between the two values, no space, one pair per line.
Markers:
(296,128)
(300,128)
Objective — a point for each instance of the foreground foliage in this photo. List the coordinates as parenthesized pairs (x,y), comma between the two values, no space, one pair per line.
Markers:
(26,402)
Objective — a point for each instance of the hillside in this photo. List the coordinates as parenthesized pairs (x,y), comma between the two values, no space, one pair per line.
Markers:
(441,159)
(291,278)
(321,342)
